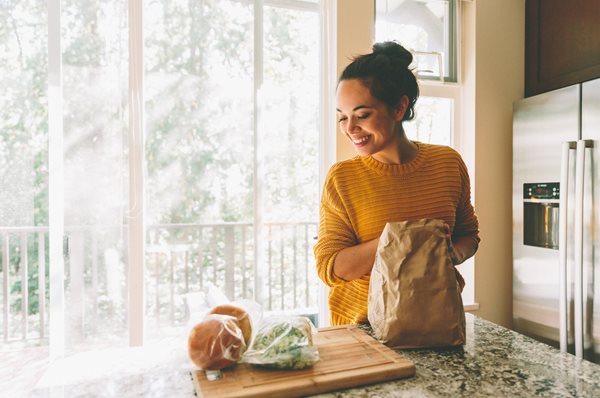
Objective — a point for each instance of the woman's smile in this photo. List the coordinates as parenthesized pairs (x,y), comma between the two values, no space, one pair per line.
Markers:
(360,141)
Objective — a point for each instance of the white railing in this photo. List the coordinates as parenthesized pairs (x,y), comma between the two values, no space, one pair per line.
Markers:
(180,259)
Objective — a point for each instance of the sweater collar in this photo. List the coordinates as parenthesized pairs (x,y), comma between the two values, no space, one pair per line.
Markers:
(397,169)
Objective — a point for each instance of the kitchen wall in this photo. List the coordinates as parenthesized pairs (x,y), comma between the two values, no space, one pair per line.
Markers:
(493,77)
(499,31)
(355,35)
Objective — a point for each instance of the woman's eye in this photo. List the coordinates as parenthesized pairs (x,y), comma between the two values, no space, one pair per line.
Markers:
(366,115)
(342,119)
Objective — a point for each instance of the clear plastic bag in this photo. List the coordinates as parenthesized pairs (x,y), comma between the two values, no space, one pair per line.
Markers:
(216,342)
(200,303)
(283,343)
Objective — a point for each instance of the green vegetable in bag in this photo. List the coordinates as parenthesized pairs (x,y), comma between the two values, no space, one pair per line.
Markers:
(283,343)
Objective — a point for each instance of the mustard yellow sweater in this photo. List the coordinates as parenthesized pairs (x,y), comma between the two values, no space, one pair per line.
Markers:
(361,194)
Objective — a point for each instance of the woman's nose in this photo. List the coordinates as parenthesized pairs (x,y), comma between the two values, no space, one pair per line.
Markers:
(351,125)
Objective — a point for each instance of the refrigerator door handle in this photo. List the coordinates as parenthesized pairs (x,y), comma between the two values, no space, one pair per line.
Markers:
(578,247)
(562,241)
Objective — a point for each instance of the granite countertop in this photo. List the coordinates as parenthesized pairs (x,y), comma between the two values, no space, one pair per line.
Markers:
(495,362)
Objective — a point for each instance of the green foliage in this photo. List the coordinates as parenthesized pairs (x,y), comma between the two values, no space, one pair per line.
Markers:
(32,278)
(32,297)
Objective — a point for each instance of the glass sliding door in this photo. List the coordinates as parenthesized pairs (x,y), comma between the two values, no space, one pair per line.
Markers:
(289,143)
(95,79)
(232,113)
(24,262)
(199,111)
(23,173)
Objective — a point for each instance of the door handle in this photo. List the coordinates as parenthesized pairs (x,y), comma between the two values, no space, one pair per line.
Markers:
(562,241)
(578,247)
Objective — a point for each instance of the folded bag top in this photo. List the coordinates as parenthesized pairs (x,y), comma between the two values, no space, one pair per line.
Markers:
(414,295)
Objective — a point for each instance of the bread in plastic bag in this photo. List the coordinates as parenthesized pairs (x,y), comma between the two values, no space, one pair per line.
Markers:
(283,343)
(216,342)
(241,316)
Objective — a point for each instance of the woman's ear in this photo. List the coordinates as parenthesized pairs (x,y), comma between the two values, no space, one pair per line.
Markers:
(401,108)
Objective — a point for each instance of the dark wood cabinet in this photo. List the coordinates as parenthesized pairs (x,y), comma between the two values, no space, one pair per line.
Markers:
(562,43)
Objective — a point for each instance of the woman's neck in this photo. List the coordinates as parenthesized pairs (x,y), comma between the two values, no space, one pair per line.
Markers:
(402,152)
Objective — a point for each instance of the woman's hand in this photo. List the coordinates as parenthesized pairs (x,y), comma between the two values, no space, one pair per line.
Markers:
(451,250)
(355,261)
(454,257)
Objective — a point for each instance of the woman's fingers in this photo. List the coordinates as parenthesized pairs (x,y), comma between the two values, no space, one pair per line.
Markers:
(447,231)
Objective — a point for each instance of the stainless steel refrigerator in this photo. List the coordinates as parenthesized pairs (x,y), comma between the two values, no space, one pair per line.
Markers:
(556,218)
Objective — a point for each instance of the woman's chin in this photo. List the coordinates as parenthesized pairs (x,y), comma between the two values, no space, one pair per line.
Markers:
(362,151)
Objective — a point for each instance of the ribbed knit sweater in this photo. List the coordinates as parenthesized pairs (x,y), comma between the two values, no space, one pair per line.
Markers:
(361,195)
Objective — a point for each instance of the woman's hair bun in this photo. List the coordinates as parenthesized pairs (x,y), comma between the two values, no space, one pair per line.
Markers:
(393,50)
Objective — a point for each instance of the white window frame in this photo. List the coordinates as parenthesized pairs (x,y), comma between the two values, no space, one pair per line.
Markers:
(327,141)
(55,186)
(428,88)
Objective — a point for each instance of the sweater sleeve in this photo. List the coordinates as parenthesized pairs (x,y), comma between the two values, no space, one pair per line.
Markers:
(467,224)
(335,232)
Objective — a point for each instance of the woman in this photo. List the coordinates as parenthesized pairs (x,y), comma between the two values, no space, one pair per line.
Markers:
(391,179)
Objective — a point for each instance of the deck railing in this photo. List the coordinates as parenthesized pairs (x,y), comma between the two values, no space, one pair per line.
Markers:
(180,259)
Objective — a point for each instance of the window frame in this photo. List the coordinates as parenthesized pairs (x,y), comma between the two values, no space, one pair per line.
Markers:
(451,35)
(428,88)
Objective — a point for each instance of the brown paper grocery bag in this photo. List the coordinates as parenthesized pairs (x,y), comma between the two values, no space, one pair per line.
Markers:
(414,296)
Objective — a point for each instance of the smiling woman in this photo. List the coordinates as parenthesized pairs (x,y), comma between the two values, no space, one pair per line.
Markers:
(375,95)
(392,179)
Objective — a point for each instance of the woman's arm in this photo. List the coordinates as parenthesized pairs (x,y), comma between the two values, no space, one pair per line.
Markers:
(462,248)
(355,261)
(465,237)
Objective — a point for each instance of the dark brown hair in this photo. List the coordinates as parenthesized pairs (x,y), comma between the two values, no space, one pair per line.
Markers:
(386,73)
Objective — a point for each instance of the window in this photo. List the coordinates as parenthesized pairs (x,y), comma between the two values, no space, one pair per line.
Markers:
(429,29)
(433,121)
(230,174)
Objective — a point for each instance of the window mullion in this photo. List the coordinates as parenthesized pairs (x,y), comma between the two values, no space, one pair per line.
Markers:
(258,158)
(136,204)
(55,184)
(327,147)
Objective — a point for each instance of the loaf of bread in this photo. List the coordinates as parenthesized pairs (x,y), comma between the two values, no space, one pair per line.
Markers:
(216,343)
(241,317)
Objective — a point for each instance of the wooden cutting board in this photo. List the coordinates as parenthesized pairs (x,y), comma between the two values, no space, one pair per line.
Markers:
(349,358)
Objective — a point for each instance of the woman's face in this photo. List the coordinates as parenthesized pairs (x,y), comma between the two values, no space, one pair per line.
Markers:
(368,122)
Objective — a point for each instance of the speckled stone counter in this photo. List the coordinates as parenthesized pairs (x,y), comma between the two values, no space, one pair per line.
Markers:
(495,362)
